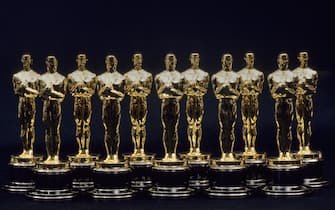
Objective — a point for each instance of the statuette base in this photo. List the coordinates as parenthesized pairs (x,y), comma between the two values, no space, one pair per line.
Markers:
(285,178)
(52,181)
(227,179)
(111,180)
(21,174)
(170,179)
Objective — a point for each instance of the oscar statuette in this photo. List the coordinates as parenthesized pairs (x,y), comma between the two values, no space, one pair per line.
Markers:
(227,174)
(195,87)
(52,176)
(250,88)
(306,88)
(138,87)
(285,171)
(82,85)
(111,176)
(20,166)
(170,174)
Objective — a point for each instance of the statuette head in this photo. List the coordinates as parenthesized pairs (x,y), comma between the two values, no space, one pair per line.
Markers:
(282,61)
(170,62)
(111,63)
(52,63)
(26,61)
(249,60)
(137,61)
(227,62)
(195,60)
(81,61)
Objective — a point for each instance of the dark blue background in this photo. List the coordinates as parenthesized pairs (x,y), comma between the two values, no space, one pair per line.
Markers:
(154,28)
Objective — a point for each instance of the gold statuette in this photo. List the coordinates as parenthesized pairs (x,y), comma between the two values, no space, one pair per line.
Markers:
(82,84)
(25,84)
(52,176)
(111,90)
(138,87)
(307,84)
(306,88)
(251,86)
(52,87)
(196,84)
(170,173)
(282,83)
(169,86)
(25,87)
(226,85)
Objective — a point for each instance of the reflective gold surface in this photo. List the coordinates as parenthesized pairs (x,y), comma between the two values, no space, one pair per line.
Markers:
(307,84)
(82,84)
(169,86)
(282,84)
(195,87)
(25,87)
(52,86)
(111,90)
(251,86)
(226,85)
(138,87)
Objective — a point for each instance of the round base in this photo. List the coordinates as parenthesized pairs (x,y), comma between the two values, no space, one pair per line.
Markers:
(256,171)
(51,194)
(141,174)
(64,194)
(121,193)
(286,190)
(226,174)
(111,181)
(228,192)
(198,174)
(20,174)
(316,183)
(52,182)
(170,179)
(286,178)
(313,171)
(227,179)
(82,175)
(170,192)
(19,187)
